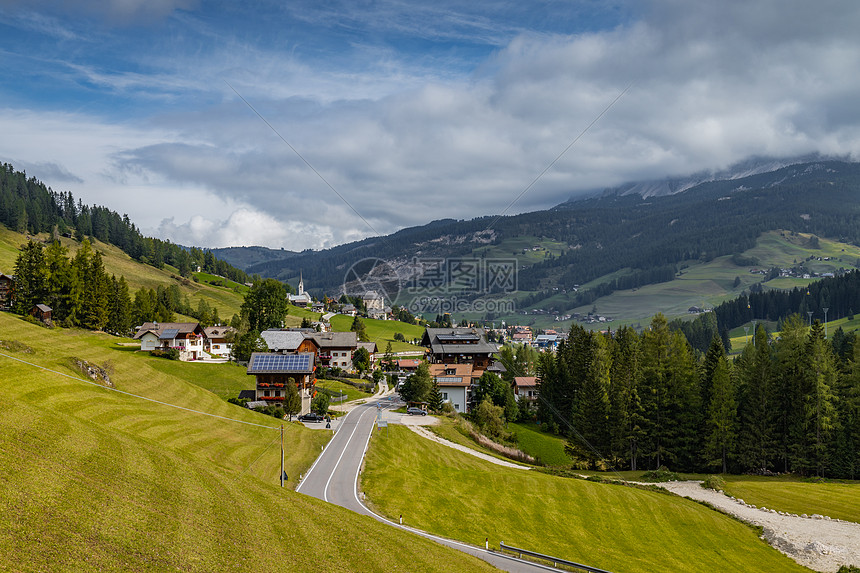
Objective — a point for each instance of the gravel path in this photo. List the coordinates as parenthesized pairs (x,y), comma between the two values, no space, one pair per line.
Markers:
(431,436)
(816,541)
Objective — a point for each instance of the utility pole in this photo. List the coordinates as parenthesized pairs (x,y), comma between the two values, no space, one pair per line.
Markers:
(282,455)
(825,309)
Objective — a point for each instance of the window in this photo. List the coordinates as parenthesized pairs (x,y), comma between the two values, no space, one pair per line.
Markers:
(444,395)
(456,406)
(266,393)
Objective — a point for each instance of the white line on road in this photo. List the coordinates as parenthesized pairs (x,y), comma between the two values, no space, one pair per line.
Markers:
(345,447)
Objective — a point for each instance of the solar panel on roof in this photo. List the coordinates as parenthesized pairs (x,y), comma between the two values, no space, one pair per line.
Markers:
(280,362)
(169,333)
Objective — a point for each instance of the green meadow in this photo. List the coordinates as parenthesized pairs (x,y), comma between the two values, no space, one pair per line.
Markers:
(382,332)
(621,529)
(548,448)
(838,500)
(94,479)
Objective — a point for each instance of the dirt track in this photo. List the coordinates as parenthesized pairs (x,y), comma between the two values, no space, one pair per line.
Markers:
(817,542)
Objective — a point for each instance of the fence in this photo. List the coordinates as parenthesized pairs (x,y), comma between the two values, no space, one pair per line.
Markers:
(554,560)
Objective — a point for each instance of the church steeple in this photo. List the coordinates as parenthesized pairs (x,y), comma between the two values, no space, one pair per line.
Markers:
(301,284)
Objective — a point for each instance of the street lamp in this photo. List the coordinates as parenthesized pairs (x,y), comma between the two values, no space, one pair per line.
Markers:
(825,309)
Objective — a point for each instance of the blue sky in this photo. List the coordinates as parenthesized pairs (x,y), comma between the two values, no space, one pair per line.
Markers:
(411,111)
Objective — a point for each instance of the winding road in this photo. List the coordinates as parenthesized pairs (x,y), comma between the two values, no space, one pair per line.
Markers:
(334,478)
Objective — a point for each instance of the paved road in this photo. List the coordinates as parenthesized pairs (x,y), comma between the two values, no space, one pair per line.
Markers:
(333,478)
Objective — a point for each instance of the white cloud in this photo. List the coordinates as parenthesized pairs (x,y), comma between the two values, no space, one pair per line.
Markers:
(405,141)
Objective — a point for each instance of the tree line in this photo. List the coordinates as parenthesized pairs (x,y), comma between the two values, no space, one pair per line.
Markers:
(639,401)
(28,206)
(81,293)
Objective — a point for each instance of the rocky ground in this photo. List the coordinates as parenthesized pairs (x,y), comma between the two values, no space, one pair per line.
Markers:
(815,541)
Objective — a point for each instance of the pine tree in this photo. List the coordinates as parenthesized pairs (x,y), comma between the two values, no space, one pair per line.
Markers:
(655,351)
(819,410)
(119,320)
(625,411)
(435,398)
(757,436)
(31,278)
(721,418)
(592,415)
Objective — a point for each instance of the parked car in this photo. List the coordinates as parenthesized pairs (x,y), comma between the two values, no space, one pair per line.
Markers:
(311,417)
(416,411)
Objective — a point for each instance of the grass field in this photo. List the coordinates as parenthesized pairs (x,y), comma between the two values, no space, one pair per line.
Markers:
(621,529)
(352,393)
(548,448)
(99,480)
(382,332)
(795,495)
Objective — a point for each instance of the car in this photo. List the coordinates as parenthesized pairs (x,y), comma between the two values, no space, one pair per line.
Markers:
(416,411)
(311,417)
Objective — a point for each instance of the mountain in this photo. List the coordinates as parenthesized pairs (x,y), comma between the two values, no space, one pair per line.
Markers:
(740,170)
(245,257)
(641,240)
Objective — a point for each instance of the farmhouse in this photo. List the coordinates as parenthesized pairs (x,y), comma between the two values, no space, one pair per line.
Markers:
(218,340)
(273,371)
(336,348)
(455,382)
(459,345)
(525,388)
(186,337)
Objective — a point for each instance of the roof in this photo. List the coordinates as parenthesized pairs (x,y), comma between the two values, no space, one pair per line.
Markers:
(43,307)
(327,340)
(464,370)
(409,362)
(525,381)
(217,331)
(274,363)
(371,295)
(157,328)
(370,346)
(461,375)
(459,340)
(278,340)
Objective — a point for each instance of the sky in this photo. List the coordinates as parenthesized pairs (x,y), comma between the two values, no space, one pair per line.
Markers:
(311,123)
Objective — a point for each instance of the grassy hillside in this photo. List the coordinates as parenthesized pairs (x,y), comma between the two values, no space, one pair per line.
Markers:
(98,480)
(226,299)
(617,528)
(382,332)
(708,283)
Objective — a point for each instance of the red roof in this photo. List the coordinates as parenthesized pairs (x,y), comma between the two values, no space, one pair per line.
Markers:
(525,381)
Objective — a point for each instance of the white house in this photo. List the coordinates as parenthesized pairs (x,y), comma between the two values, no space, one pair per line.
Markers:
(216,341)
(186,337)
(455,381)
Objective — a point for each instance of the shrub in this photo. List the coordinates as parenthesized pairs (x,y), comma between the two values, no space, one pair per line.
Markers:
(169,353)
(715,483)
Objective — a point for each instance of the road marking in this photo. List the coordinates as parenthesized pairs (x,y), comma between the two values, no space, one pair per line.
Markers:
(334,470)
(316,461)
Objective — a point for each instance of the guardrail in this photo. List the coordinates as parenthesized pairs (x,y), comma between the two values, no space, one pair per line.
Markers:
(554,560)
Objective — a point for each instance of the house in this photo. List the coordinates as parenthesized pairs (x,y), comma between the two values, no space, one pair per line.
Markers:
(336,348)
(290,341)
(42,312)
(377,314)
(373,301)
(455,382)
(409,365)
(218,340)
(273,371)
(348,309)
(371,349)
(546,341)
(525,387)
(318,307)
(187,337)
(7,287)
(459,345)
(302,299)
